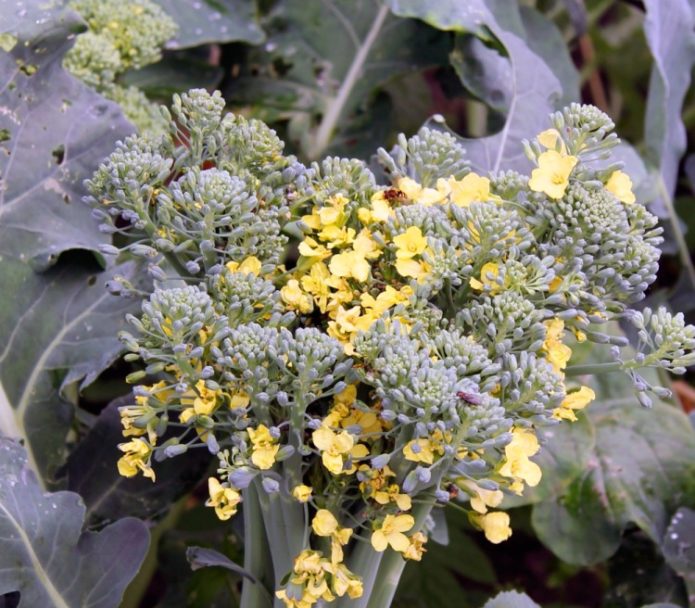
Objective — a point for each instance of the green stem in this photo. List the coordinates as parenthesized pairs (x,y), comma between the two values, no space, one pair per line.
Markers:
(364,561)
(336,105)
(594,368)
(138,586)
(389,576)
(392,564)
(256,554)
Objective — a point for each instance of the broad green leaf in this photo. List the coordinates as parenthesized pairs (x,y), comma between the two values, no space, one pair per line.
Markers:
(488,74)
(54,131)
(173,74)
(324,60)
(511,599)
(657,581)
(668,27)
(545,40)
(435,581)
(567,449)
(679,547)
(641,469)
(58,329)
(92,473)
(205,21)
(532,88)
(45,555)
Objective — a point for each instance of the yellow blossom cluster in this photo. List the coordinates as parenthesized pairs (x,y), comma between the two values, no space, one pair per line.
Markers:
(356,448)
(316,578)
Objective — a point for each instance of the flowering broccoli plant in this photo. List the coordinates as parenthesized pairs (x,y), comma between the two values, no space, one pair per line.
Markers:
(360,351)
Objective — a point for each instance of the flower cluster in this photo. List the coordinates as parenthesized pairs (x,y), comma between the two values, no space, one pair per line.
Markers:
(122,35)
(358,354)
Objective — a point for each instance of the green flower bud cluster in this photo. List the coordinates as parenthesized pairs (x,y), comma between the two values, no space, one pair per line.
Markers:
(425,157)
(593,235)
(379,343)
(122,35)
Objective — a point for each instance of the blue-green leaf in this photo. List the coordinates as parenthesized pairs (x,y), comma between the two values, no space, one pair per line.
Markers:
(45,555)
(532,88)
(55,131)
(57,328)
(56,332)
(639,470)
(511,599)
(679,547)
(205,21)
(668,27)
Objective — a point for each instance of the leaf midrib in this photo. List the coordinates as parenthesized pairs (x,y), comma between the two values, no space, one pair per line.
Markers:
(41,574)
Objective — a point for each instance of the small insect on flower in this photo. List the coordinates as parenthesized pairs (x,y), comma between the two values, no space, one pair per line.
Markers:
(472,398)
(394,195)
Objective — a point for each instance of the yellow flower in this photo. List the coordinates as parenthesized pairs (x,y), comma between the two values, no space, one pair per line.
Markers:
(419,450)
(315,282)
(392,493)
(265,447)
(391,533)
(552,174)
(620,185)
(333,212)
(250,265)
(557,353)
(136,458)
(358,451)
(312,221)
(205,402)
(410,243)
(368,422)
(463,192)
(348,582)
(416,547)
(574,401)
(308,578)
(415,192)
(416,269)
(225,500)
(495,525)
(334,236)
(366,246)
(330,214)
(380,212)
(239,400)
(200,402)
(325,524)
(488,275)
(552,140)
(481,498)
(302,493)
(295,299)
(555,284)
(334,448)
(386,299)
(347,396)
(517,464)
(351,264)
(310,248)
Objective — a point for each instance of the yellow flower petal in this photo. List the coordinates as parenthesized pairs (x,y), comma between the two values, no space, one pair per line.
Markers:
(620,185)
(552,174)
